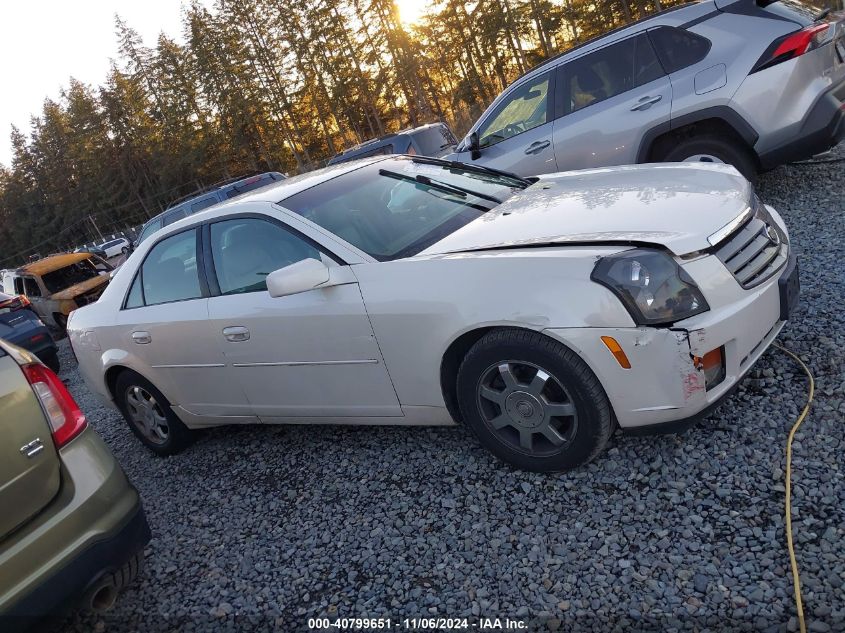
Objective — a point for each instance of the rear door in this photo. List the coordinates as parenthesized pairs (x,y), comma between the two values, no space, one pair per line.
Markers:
(605,101)
(29,464)
(165,324)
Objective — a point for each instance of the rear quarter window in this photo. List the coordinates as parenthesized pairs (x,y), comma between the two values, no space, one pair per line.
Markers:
(678,49)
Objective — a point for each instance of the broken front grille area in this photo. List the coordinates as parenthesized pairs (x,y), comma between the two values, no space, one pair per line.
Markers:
(756,250)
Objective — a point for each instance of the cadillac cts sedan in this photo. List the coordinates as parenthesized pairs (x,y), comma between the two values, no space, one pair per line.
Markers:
(542,313)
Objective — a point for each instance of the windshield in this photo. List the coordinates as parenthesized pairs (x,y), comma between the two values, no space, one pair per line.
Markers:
(68,276)
(397,207)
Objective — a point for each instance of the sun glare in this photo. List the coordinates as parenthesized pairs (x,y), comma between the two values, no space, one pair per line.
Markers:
(410,11)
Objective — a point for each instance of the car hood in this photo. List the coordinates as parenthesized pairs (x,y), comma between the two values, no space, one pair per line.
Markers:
(81,288)
(677,206)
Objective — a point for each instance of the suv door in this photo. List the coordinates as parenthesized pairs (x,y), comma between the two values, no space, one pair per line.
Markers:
(605,102)
(308,355)
(165,324)
(516,135)
(42,305)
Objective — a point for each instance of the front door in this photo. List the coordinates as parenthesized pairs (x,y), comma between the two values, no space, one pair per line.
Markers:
(606,100)
(303,356)
(516,135)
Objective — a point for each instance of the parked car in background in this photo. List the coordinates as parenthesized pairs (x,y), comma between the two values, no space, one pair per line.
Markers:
(750,83)
(409,290)
(434,139)
(91,249)
(58,284)
(21,326)
(208,199)
(115,247)
(72,526)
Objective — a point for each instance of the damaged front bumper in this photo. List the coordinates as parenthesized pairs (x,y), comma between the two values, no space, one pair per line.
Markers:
(664,390)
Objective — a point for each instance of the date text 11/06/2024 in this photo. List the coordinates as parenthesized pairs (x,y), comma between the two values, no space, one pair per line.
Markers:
(417,624)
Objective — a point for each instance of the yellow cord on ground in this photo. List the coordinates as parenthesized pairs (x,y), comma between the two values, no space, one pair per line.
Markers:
(796,579)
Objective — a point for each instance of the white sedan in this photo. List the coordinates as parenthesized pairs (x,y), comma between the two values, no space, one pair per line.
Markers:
(542,313)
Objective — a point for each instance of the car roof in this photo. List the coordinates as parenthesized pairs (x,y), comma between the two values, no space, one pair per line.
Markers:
(276,193)
(53,262)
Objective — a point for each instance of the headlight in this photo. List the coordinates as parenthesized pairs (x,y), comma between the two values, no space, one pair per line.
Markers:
(651,285)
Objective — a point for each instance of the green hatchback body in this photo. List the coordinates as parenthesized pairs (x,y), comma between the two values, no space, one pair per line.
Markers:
(72,528)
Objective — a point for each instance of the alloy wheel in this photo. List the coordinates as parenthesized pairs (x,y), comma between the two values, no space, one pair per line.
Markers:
(527,408)
(704,158)
(147,415)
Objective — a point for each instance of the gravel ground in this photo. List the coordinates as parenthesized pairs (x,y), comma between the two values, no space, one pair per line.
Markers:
(262,528)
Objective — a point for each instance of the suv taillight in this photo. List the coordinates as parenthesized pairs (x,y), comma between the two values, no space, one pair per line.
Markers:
(793,45)
(66,419)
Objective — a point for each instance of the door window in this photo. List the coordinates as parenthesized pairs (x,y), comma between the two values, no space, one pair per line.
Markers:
(31,288)
(19,286)
(607,72)
(246,250)
(525,108)
(678,48)
(169,272)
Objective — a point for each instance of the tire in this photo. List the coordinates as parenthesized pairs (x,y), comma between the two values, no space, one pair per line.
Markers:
(517,409)
(61,324)
(723,149)
(148,414)
(125,250)
(51,359)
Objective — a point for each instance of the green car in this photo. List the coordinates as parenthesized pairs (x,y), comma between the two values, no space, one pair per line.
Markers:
(71,527)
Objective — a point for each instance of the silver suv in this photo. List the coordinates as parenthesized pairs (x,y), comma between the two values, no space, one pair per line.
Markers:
(754,84)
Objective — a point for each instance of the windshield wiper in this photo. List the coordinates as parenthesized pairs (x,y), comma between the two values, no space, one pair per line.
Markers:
(479,169)
(436,184)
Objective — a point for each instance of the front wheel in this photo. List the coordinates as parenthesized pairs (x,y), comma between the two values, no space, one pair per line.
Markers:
(150,416)
(714,149)
(533,402)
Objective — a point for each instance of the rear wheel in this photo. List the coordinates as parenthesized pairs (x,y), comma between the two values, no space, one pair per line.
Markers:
(149,415)
(61,324)
(533,402)
(125,250)
(714,149)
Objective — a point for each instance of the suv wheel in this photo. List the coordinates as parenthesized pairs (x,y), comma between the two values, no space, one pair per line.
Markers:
(714,149)
(533,402)
(149,415)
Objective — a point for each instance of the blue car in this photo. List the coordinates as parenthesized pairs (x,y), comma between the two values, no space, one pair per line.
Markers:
(197,203)
(20,325)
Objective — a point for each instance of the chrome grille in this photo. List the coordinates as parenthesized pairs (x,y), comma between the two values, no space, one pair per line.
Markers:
(755,251)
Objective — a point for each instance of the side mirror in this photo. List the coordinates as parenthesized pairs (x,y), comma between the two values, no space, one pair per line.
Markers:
(472,145)
(299,277)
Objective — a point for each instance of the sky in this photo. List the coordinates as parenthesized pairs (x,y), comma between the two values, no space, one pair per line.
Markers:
(45,42)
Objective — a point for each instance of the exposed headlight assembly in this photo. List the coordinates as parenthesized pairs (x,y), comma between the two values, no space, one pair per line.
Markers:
(651,286)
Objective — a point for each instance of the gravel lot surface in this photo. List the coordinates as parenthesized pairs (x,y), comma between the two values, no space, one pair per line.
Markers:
(261,528)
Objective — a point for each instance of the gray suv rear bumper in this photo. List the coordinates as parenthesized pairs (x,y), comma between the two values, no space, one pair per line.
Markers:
(822,128)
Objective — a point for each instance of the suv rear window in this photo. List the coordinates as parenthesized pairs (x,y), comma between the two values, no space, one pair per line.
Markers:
(678,49)
(434,140)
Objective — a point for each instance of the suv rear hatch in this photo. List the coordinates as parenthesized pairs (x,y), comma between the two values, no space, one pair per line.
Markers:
(29,475)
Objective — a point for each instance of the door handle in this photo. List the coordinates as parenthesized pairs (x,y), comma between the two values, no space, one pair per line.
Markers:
(537,146)
(645,103)
(141,338)
(236,333)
